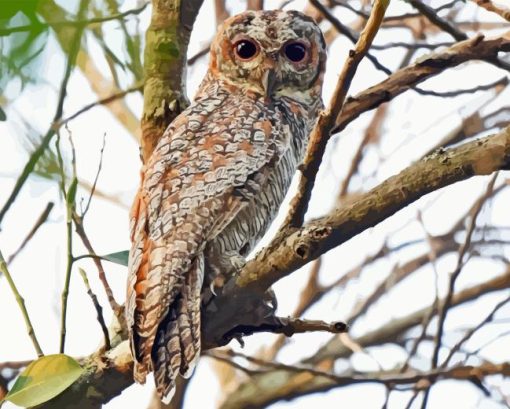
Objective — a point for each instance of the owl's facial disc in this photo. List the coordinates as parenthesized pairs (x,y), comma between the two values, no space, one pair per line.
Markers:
(271,53)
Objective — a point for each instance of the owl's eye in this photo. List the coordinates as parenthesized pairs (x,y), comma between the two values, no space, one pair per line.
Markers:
(246,49)
(295,52)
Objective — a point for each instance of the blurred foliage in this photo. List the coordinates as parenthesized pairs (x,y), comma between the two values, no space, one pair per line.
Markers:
(26,25)
(19,50)
(47,166)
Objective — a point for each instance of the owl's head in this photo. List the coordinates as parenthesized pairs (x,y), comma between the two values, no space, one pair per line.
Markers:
(271,53)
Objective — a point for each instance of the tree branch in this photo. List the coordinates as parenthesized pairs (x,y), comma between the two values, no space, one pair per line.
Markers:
(477,48)
(21,302)
(480,157)
(268,388)
(165,62)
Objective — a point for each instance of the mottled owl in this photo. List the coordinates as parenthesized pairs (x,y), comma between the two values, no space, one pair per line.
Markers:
(216,179)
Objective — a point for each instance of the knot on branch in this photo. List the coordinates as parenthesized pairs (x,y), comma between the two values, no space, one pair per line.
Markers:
(303,246)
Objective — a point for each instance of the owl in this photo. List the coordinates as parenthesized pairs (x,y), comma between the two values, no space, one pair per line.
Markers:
(216,180)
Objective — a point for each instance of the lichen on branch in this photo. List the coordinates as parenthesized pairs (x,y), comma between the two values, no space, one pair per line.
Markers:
(167,40)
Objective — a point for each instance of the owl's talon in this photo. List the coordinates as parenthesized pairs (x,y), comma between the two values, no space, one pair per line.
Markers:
(239,338)
(211,287)
(270,300)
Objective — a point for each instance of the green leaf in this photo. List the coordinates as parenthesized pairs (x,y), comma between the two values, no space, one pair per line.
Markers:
(44,379)
(121,257)
(3,116)
(71,193)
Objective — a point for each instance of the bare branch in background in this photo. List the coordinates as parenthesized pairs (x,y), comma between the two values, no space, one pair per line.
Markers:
(444,307)
(221,12)
(39,222)
(104,101)
(434,18)
(477,48)
(284,385)
(255,4)
(490,6)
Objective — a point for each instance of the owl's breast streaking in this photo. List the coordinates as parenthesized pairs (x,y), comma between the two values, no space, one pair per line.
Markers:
(293,122)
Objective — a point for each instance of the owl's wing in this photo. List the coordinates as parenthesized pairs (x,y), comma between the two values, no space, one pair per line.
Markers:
(208,164)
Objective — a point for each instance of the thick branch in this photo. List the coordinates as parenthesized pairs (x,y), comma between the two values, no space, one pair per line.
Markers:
(445,167)
(165,67)
(106,376)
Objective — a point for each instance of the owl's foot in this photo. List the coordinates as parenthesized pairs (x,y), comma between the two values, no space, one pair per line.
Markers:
(271,301)
(218,282)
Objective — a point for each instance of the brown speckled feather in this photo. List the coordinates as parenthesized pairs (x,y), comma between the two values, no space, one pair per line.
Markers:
(213,184)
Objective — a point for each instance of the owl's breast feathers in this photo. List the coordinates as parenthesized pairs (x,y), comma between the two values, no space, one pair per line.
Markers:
(218,158)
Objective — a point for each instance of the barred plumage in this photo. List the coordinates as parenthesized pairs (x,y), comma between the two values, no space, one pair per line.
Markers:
(216,179)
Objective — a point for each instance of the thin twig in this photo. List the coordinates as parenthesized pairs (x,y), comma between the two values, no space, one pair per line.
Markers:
(399,17)
(346,31)
(450,94)
(21,303)
(80,230)
(290,326)
(194,58)
(414,46)
(102,101)
(97,306)
(440,22)
(470,333)
(372,133)
(69,197)
(445,306)
(39,222)
(478,47)
(385,378)
(93,189)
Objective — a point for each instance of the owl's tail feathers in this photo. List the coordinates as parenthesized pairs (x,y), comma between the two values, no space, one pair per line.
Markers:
(177,346)
(140,371)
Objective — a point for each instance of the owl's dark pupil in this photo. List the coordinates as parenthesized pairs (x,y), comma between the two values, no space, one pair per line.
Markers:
(245,49)
(295,52)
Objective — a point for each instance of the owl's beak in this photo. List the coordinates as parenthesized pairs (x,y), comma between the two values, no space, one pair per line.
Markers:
(269,81)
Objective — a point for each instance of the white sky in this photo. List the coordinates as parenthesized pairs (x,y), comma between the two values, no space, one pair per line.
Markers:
(39,269)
